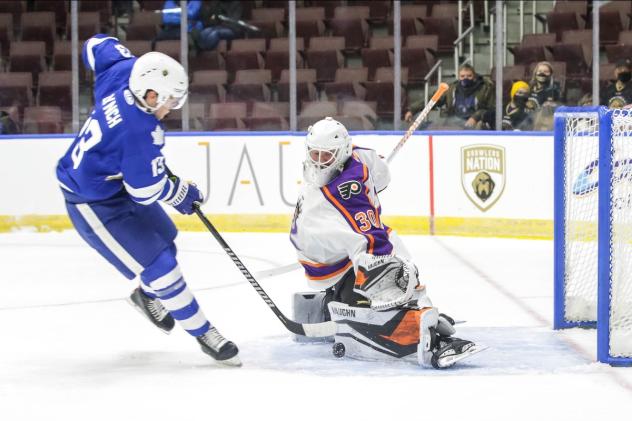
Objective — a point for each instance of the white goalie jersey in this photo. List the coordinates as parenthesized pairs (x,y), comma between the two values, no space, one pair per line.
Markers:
(335,225)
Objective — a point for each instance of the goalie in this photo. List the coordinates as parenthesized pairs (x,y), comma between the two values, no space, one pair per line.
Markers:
(370,284)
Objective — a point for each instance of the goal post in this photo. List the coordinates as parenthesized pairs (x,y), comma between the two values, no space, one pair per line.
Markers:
(593,226)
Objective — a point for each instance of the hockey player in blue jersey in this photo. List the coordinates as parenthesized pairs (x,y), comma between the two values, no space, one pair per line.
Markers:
(114,174)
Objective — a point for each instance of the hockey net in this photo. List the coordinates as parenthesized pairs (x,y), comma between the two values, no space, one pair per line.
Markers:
(593,226)
(620,248)
(580,181)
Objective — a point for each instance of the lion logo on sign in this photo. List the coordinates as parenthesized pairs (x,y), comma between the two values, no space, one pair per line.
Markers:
(483,185)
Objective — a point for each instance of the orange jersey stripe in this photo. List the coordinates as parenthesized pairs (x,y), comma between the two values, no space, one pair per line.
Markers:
(342,210)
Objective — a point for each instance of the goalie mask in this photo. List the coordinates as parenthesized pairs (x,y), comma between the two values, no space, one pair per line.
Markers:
(328,146)
(160,73)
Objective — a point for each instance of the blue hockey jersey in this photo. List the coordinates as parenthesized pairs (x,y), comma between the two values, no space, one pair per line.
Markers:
(119,146)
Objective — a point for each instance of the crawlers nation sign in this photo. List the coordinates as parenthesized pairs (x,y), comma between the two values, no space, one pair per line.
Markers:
(483,174)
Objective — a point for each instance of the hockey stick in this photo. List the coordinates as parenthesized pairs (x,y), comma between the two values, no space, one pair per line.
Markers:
(443,87)
(314,330)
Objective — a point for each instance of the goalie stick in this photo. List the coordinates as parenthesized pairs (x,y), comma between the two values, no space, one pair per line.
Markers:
(443,87)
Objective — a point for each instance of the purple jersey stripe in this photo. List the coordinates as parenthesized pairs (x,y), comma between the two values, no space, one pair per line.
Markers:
(356,207)
(317,271)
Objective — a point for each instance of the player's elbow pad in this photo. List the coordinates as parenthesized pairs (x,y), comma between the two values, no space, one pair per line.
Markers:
(149,194)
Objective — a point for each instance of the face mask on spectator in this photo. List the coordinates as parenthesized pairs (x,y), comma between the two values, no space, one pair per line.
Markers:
(466,83)
(624,76)
(542,77)
(520,100)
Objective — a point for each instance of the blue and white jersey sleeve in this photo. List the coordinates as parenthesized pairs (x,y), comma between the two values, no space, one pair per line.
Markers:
(111,63)
(143,167)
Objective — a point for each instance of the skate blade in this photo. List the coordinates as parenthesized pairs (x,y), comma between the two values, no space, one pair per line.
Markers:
(231,362)
(450,360)
(133,304)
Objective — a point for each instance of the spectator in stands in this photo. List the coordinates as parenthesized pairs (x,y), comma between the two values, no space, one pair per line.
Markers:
(517,115)
(220,21)
(619,93)
(7,125)
(171,19)
(544,89)
(466,101)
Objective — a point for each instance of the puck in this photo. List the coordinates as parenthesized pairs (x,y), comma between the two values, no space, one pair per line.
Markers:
(338,350)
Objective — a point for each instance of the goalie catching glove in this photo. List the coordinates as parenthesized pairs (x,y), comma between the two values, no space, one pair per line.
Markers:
(387,281)
(184,196)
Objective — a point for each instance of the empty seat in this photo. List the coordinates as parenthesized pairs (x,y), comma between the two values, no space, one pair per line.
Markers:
(575,50)
(206,60)
(62,57)
(16,89)
(138,47)
(419,55)
(411,17)
(381,90)
(39,26)
(621,50)
(347,84)
(104,7)
(15,7)
(226,116)
(245,54)
(360,109)
(329,6)
(445,28)
(278,56)
(43,120)
(314,111)
(325,55)
(379,54)
(355,123)
(268,116)
(558,22)
(532,48)
(250,85)
(351,22)
(445,10)
(146,17)
(305,86)
(55,88)
(379,10)
(611,23)
(208,86)
(169,47)
(310,22)
(59,8)
(89,23)
(268,21)
(576,6)
(6,33)
(173,120)
(141,31)
(151,4)
(27,56)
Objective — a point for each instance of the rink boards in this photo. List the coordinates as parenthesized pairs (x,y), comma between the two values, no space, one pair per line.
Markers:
(460,183)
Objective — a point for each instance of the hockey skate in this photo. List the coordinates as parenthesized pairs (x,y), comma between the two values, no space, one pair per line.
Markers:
(448,351)
(220,348)
(152,309)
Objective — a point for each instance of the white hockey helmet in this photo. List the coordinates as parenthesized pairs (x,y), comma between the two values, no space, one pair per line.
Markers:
(328,146)
(160,73)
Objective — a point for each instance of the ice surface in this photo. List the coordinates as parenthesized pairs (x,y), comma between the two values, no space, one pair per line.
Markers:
(71,348)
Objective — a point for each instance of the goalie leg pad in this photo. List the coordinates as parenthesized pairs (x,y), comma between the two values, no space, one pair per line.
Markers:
(311,307)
